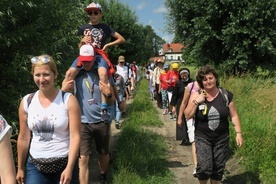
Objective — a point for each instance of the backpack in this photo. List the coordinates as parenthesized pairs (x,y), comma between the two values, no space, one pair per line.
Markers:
(30,97)
(225,96)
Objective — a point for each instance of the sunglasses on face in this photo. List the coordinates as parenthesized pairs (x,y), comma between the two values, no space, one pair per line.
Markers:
(93,13)
(43,59)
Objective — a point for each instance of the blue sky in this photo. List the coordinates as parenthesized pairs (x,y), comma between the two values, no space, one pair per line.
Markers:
(151,12)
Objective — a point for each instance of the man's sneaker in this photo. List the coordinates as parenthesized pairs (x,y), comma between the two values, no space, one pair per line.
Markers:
(105,115)
(117,125)
(194,172)
(185,143)
(171,115)
(102,179)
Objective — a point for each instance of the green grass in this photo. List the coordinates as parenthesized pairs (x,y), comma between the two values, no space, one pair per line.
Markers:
(141,154)
(256,105)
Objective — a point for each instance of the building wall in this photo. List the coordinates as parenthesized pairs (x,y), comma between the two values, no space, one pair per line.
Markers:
(174,57)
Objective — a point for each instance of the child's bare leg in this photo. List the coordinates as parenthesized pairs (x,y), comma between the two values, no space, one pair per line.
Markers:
(102,71)
(103,78)
(71,73)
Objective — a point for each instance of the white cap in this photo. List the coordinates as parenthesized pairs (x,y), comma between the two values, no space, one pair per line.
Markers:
(86,54)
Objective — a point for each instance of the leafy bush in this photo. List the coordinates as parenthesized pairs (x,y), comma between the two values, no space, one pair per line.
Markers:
(254,99)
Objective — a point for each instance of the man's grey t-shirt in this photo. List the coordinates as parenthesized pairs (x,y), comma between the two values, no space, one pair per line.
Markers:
(88,94)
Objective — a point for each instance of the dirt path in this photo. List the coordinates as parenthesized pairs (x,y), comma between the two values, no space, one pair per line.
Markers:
(180,160)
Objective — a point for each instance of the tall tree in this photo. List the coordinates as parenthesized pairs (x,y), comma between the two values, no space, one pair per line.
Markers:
(30,28)
(35,27)
(234,35)
(139,45)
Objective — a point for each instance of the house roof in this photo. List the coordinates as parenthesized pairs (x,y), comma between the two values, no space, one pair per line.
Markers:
(173,47)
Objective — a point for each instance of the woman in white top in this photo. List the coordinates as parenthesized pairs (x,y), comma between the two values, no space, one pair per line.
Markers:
(49,129)
(151,84)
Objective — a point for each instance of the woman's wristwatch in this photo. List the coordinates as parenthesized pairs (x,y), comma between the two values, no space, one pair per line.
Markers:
(195,102)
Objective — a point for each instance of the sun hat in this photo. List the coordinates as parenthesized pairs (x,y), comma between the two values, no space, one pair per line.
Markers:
(121,59)
(175,66)
(166,66)
(93,6)
(87,54)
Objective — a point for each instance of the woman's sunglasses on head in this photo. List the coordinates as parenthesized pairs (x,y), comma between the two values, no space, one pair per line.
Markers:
(93,12)
(43,59)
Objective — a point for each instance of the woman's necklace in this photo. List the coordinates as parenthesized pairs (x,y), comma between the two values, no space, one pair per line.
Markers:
(211,97)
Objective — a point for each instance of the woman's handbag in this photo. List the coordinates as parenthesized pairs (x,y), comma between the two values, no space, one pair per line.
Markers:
(50,165)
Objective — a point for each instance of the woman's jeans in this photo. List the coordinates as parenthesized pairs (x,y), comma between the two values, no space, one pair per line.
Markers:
(34,176)
(111,109)
(118,112)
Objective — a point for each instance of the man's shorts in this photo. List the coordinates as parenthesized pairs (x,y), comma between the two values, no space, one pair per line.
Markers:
(100,133)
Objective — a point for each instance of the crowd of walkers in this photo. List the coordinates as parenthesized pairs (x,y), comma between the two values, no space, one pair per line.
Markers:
(56,128)
(200,109)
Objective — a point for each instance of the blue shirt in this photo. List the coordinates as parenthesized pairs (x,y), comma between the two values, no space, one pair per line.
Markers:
(88,94)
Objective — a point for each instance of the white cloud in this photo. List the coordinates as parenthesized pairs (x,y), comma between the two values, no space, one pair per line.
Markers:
(168,38)
(150,22)
(141,6)
(160,9)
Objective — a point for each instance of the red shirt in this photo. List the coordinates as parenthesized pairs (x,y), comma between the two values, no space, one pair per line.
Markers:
(173,77)
(163,80)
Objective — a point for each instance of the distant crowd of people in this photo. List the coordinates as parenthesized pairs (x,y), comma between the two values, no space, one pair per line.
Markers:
(201,109)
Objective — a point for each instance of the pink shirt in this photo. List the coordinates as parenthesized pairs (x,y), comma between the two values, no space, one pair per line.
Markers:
(193,88)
